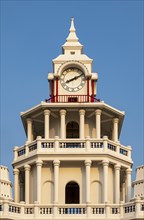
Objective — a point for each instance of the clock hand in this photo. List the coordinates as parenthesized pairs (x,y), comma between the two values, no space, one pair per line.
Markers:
(74,78)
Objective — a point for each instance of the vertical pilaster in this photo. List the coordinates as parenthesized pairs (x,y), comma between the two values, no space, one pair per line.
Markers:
(27,183)
(46,123)
(115,129)
(117,183)
(105,180)
(29,130)
(56,164)
(39,168)
(87,169)
(82,121)
(16,185)
(63,124)
(98,123)
(128,184)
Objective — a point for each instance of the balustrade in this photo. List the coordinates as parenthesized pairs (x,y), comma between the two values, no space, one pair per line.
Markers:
(42,145)
(73,209)
(129,209)
(98,210)
(45,210)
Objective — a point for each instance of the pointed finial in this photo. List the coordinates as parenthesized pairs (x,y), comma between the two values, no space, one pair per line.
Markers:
(72,28)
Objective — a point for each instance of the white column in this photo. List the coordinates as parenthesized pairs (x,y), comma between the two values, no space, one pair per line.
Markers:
(98,123)
(29,130)
(128,184)
(82,121)
(27,183)
(63,124)
(105,180)
(115,129)
(39,167)
(117,183)
(88,167)
(56,164)
(46,123)
(16,185)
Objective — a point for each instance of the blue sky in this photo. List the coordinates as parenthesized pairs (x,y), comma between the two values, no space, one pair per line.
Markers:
(32,33)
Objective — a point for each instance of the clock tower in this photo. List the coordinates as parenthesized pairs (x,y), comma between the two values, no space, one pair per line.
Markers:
(72,79)
(72,165)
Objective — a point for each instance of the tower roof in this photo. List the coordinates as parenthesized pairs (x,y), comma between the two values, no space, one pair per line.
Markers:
(72,39)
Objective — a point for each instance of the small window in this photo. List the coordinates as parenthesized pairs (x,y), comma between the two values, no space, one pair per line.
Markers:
(72,52)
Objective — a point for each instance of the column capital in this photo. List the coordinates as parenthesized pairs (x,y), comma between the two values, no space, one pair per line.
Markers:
(105,162)
(39,163)
(56,162)
(115,120)
(128,171)
(15,171)
(98,111)
(88,162)
(47,112)
(29,120)
(82,112)
(27,167)
(117,167)
(62,112)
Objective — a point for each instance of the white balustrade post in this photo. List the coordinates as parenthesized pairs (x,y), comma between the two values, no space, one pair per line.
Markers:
(129,151)
(117,183)
(98,123)
(105,180)
(56,143)
(105,142)
(115,129)
(39,143)
(36,209)
(39,168)
(121,209)
(128,183)
(107,207)
(137,207)
(88,143)
(82,121)
(27,183)
(26,148)
(6,207)
(63,123)
(46,123)
(29,130)
(15,153)
(16,185)
(22,207)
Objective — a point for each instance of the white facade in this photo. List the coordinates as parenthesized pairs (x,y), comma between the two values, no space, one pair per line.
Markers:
(5,184)
(72,164)
(138,184)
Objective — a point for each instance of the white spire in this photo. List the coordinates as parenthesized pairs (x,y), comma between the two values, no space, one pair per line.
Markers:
(72,28)
(72,37)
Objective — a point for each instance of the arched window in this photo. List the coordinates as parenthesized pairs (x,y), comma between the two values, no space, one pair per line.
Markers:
(72,193)
(72,130)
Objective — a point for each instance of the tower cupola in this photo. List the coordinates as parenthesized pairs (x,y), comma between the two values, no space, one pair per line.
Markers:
(72,45)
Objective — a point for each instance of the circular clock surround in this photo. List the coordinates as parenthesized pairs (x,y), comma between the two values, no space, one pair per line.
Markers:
(72,79)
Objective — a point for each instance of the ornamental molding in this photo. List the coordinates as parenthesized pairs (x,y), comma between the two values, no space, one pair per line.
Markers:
(72,63)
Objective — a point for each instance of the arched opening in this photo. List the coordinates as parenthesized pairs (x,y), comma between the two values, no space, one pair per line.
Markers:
(72,193)
(72,130)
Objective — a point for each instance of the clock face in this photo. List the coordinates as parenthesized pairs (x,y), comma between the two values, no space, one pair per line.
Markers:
(72,79)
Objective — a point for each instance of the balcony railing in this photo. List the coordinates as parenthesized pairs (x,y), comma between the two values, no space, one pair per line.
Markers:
(88,145)
(72,98)
(123,211)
